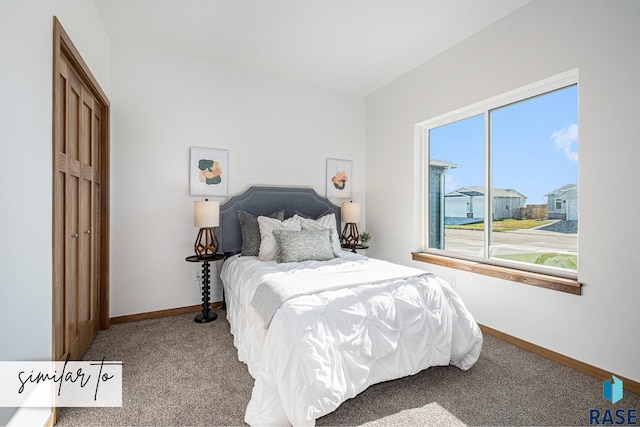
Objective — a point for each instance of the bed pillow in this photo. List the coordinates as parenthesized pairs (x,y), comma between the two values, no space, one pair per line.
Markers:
(325,221)
(268,250)
(304,215)
(251,231)
(296,246)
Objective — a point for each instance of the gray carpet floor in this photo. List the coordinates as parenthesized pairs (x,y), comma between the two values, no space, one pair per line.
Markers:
(178,372)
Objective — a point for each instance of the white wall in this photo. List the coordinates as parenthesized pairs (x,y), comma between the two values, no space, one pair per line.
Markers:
(277,133)
(83,24)
(25,159)
(542,39)
(26,33)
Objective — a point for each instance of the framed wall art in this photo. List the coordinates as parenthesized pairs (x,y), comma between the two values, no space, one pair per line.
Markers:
(339,178)
(209,172)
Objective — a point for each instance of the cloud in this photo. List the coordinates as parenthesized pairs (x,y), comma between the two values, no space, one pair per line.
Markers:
(565,140)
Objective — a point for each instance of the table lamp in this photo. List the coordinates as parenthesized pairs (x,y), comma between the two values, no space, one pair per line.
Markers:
(350,215)
(206,215)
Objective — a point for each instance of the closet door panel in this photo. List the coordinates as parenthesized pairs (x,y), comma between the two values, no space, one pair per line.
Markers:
(59,250)
(80,162)
(72,264)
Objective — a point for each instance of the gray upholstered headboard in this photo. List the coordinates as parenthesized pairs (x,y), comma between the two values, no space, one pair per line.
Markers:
(264,201)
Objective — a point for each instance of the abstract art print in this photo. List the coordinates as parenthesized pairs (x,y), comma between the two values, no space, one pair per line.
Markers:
(209,172)
(339,178)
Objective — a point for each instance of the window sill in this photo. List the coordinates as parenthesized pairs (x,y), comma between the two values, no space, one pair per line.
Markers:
(535,279)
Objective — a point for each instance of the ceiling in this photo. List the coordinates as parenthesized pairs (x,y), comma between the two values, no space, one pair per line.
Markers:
(353,46)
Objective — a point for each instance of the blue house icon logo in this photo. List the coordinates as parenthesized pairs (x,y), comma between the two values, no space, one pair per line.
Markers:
(612,389)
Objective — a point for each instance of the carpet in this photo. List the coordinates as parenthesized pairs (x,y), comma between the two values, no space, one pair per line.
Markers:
(178,372)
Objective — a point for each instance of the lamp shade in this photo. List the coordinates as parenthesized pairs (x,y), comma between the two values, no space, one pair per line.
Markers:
(351,212)
(206,214)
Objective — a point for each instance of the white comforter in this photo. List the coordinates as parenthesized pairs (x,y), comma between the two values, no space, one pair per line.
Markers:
(324,348)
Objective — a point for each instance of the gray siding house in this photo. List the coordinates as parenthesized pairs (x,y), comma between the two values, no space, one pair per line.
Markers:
(437,170)
(468,202)
(562,203)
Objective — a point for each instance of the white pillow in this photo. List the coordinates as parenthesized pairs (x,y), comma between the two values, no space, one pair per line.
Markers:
(268,247)
(324,222)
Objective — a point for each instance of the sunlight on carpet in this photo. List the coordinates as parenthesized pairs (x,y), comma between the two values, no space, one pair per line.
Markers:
(431,414)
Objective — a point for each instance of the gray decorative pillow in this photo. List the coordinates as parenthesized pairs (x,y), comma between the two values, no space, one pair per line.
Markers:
(325,220)
(251,231)
(296,246)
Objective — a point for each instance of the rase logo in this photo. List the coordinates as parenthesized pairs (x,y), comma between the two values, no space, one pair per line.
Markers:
(612,391)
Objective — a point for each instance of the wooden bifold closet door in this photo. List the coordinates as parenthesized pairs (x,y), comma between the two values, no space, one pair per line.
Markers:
(80,143)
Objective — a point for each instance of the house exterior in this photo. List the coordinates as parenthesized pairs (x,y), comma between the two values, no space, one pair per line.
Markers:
(436,201)
(562,203)
(466,204)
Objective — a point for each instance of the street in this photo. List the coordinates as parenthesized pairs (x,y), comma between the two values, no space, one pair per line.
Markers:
(470,242)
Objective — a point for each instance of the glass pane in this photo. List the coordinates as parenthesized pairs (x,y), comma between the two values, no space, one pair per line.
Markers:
(534,172)
(456,186)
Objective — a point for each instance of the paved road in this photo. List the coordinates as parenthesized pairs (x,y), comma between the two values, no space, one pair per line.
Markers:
(470,242)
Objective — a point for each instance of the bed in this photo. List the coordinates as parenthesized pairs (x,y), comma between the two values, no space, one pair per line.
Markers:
(316,330)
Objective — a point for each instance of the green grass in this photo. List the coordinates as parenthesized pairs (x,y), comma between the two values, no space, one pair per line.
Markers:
(503,224)
(567,261)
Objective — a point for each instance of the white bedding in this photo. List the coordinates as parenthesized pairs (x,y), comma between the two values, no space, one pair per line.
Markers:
(324,348)
(277,288)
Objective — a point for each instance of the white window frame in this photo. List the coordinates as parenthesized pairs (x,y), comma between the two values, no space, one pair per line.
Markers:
(558,203)
(550,84)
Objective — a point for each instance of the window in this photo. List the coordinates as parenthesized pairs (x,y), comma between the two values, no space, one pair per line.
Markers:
(502,180)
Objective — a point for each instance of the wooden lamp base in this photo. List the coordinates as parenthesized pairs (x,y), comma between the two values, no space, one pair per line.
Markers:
(206,244)
(350,235)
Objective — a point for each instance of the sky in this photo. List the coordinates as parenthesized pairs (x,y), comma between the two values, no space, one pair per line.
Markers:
(534,146)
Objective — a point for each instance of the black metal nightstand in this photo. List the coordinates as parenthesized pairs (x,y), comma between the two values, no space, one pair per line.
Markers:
(354,248)
(207,315)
